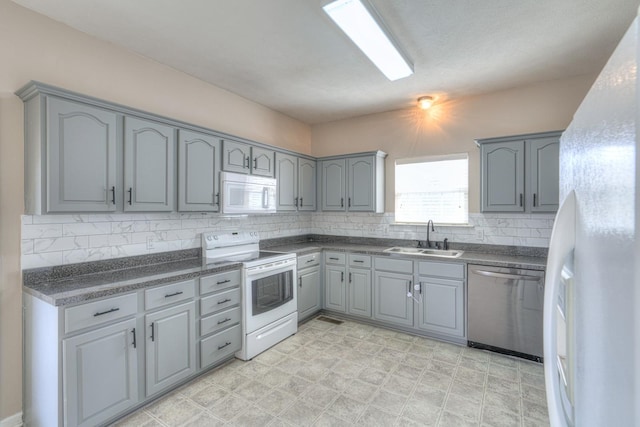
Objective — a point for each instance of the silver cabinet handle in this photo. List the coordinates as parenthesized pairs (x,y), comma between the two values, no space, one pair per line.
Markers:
(506,275)
(106,312)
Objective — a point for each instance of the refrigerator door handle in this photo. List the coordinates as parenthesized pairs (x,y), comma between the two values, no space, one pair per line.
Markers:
(561,244)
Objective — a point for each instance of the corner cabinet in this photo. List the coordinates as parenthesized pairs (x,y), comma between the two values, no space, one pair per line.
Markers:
(353,183)
(296,178)
(520,173)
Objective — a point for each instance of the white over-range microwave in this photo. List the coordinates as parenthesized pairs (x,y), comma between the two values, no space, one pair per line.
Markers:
(244,194)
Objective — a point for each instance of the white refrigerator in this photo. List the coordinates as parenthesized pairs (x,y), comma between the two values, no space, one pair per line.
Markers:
(592,290)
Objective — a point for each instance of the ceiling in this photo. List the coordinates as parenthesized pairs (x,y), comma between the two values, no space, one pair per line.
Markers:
(289,56)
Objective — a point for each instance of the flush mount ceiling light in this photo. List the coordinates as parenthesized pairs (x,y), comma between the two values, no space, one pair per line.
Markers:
(425,102)
(360,24)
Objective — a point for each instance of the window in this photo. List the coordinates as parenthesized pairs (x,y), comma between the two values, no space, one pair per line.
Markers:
(434,187)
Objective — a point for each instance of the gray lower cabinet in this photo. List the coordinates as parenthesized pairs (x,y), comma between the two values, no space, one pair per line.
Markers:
(520,173)
(81,162)
(170,346)
(220,317)
(149,166)
(393,278)
(198,172)
(309,298)
(335,288)
(359,292)
(100,374)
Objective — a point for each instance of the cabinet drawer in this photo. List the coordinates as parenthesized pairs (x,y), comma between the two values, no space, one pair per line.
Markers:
(220,301)
(97,312)
(308,260)
(335,258)
(169,294)
(356,260)
(441,269)
(219,321)
(220,346)
(220,281)
(397,265)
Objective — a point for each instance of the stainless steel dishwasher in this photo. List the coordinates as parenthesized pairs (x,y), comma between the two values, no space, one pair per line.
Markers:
(505,310)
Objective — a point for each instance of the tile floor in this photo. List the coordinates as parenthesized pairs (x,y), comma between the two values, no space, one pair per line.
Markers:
(355,374)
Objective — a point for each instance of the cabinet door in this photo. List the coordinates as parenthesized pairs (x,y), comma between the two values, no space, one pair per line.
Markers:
(390,301)
(236,157)
(544,174)
(307,185)
(308,291)
(503,177)
(198,172)
(361,183)
(81,158)
(100,374)
(286,175)
(333,185)
(170,352)
(359,292)
(149,166)
(442,308)
(335,289)
(262,162)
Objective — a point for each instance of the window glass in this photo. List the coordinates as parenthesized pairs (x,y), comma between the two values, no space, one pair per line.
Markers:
(433,188)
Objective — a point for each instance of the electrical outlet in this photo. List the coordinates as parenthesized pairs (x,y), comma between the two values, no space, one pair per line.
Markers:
(150,243)
(480,234)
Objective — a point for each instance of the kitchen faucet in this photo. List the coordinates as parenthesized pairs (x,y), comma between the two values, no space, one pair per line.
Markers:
(432,229)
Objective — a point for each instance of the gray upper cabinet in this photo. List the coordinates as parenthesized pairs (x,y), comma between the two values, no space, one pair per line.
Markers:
(81,157)
(287,178)
(296,177)
(262,162)
(239,157)
(353,183)
(520,173)
(198,172)
(307,184)
(149,166)
(334,177)
(544,174)
(503,177)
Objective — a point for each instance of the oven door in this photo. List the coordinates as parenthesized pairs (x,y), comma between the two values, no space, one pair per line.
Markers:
(270,294)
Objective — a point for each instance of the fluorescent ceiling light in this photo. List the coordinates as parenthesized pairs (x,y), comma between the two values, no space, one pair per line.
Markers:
(361,27)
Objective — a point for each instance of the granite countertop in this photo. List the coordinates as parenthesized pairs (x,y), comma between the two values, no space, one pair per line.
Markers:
(468,257)
(75,288)
(75,283)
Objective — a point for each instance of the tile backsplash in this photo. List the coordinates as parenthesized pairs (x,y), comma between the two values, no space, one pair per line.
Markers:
(65,239)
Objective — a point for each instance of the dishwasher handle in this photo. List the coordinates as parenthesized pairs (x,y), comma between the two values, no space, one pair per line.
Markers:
(506,275)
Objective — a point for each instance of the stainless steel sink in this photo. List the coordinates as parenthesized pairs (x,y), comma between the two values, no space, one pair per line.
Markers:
(425,252)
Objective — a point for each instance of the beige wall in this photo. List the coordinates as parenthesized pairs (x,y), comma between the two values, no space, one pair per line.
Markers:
(452,126)
(33,47)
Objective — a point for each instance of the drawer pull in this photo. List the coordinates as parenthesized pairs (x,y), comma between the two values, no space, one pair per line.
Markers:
(335,259)
(220,322)
(224,300)
(100,313)
(312,260)
(173,294)
(223,282)
(358,260)
(220,347)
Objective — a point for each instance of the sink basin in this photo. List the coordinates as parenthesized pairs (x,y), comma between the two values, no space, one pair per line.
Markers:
(425,252)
